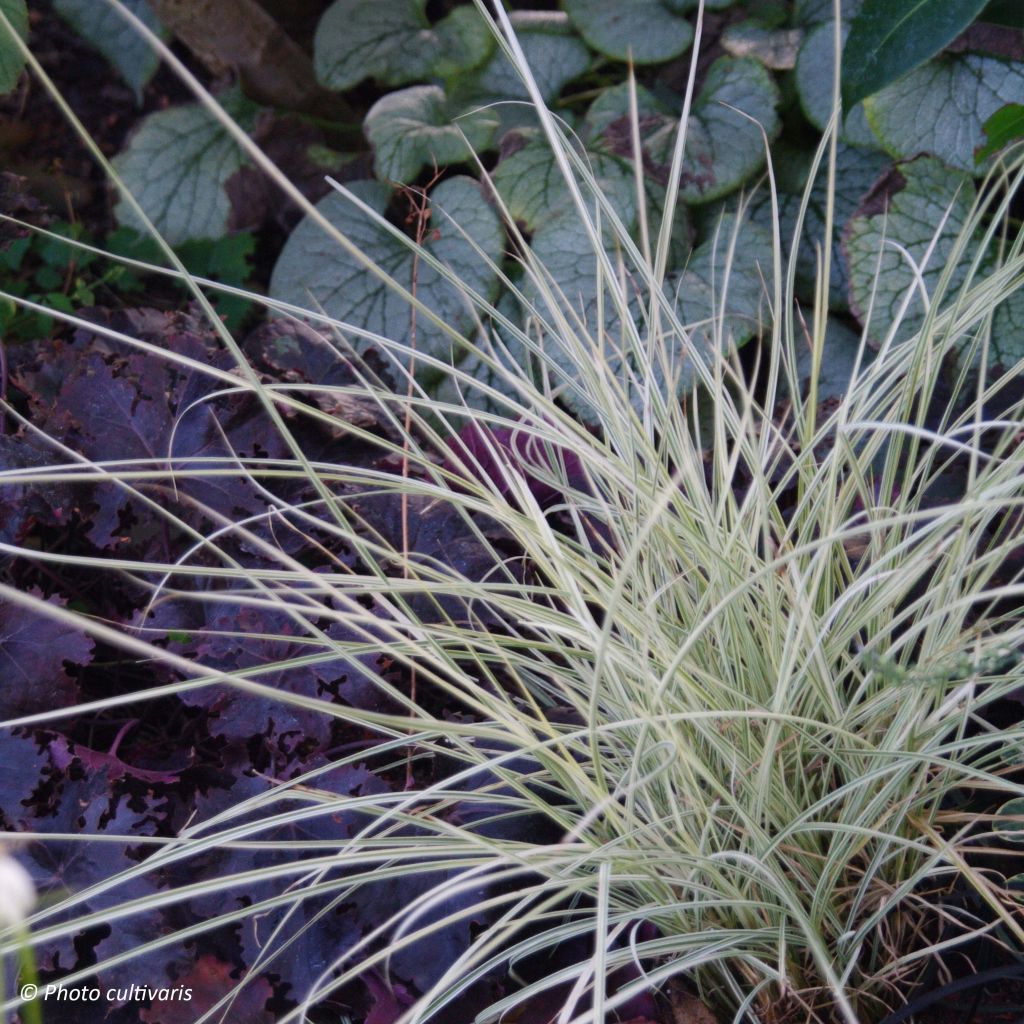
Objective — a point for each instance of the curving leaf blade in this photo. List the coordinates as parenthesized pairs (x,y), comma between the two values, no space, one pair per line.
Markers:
(889,38)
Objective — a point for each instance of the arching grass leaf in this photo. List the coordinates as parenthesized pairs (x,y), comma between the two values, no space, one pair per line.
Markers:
(11,60)
(857,170)
(177,165)
(814,70)
(413,128)
(941,108)
(645,31)
(314,271)
(718,296)
(394,42)
(889,38)
(104,28)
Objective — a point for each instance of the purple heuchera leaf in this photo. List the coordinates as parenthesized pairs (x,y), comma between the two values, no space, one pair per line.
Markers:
(33,649)
(504,450)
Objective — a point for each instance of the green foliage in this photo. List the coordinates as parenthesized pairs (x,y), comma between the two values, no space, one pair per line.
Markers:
(66,278)
(814,71)
(1005,126)
(104,28)
(889,38)
(11,60)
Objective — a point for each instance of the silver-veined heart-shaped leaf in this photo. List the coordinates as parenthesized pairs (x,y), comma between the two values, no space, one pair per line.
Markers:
(177,165)
(725,145)
(555,54)
(314,272)
(718,297)
(903,239)
(532,186)
(644,31)
(394,42)
(815,67)
(413,128)
(857,170)
(941,108)
(814,12)
(11,60)
(104,28)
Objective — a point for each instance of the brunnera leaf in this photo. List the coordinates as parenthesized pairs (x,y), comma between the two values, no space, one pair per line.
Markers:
(556,56)
(644,31)
(132,56)
(890,38)
(815,66)
(394,42)
(941,107)
(414,128)
(921,205)
(314,272)
(33,649)
(177,164)
(11,60)
(724,141)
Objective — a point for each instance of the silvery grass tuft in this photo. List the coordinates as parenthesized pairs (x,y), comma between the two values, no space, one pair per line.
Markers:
(775,654)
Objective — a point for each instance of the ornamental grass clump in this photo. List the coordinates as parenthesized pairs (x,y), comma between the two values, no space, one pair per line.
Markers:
(725,672)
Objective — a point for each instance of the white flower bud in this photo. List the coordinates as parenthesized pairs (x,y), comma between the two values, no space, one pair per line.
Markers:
(17,893)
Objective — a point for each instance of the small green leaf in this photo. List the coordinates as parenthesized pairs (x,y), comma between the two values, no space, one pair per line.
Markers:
(644,31)
(11,60)
(413,128)
(941,108)
(1012,831)
(104,28)
(394,42)
(314,272)
(814,71)
(1006,125)
(892,37)
(177,165)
